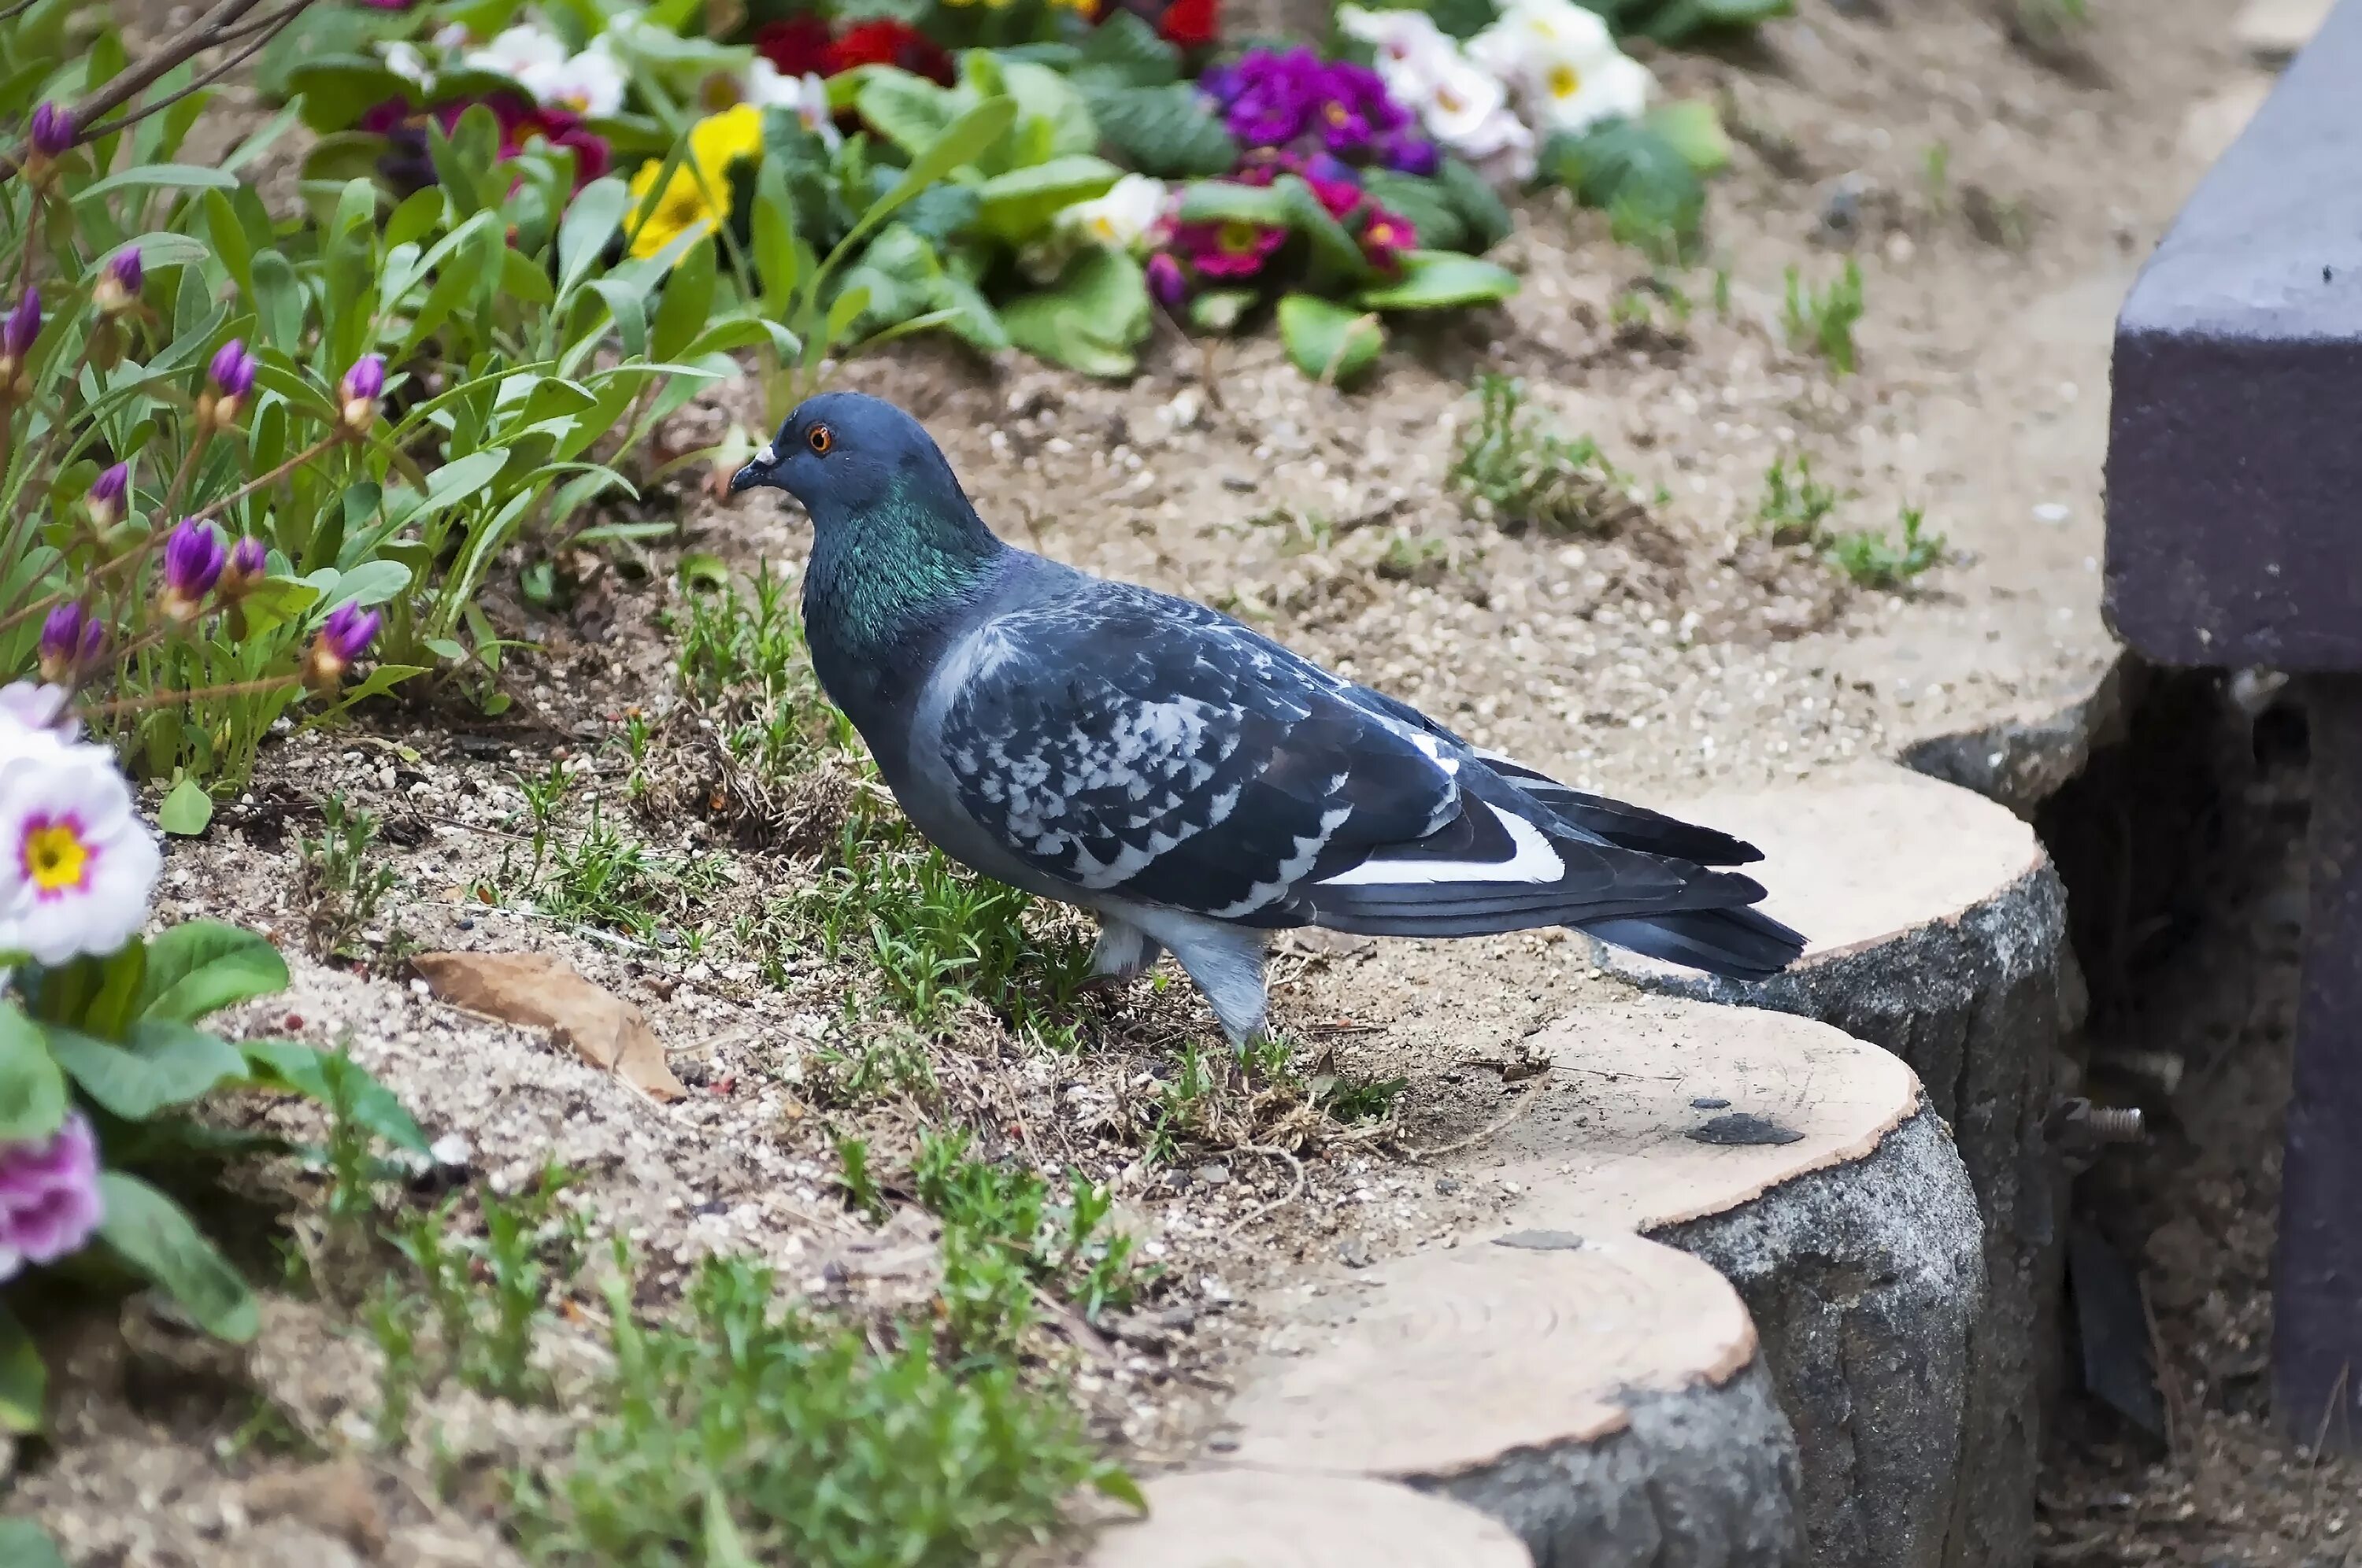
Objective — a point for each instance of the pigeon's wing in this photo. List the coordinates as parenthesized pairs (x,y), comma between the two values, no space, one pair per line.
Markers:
(1124,745)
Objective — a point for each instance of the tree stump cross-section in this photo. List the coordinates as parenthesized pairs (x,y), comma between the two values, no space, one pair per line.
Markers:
(1937,932)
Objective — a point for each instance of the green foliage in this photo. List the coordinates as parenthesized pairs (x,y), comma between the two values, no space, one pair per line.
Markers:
(1794,503)
(938,936)
(1093,319)
(116,1040)
(487,1295)
(743,663)
(796,1440)
(1512,472)
(343,888)
(1002,1214)
(1334,343)
(1646,174)
(1875,559)
(598,878)
(1822,319)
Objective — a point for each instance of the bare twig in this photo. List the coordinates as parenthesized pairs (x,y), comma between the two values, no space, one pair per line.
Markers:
(1525,1103)
(1296,1186)
(261,32)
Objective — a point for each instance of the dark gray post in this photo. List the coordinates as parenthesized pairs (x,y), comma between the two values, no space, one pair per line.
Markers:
(2235,540)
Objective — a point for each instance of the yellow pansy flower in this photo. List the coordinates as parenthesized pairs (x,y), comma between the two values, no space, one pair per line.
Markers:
(697,198)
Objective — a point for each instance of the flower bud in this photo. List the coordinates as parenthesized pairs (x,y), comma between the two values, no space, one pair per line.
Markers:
(103,500)
(248,564)
(363,386)
(192,564)
(52,130)
(117,289)
(71,640)
(344,637)
(232,374)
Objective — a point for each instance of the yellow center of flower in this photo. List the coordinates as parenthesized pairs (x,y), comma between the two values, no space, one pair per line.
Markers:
(1237,238)
(1336,113)
(1565,81)
(55,856)
(697,197)
(1448,100)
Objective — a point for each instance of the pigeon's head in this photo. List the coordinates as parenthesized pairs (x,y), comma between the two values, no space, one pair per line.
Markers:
(844,453)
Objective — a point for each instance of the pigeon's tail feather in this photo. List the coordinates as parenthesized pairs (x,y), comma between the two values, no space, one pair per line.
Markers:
(1739,944)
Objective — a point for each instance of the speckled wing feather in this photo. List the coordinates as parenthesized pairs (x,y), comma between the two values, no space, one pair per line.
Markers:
(1135,743)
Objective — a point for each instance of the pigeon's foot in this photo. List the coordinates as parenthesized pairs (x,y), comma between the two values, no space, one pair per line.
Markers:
(1124,953)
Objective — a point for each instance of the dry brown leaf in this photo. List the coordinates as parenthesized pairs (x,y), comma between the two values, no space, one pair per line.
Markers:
(546,992)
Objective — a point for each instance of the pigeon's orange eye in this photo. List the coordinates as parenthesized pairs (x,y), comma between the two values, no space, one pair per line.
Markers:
(820,438)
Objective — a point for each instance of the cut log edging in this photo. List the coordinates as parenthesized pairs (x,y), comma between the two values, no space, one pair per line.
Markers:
(1976,1000)
(1864,1310)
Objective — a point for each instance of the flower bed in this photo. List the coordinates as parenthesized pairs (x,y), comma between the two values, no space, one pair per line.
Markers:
(1148,165)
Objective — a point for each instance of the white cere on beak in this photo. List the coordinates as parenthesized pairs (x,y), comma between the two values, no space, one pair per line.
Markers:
(765,455)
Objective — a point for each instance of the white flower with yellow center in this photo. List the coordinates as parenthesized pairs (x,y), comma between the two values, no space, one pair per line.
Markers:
(76,863)
(519,52)
(1565,64)
(1122,217)
(590,83)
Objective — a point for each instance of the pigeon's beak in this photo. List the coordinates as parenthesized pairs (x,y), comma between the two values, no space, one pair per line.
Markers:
(750,476)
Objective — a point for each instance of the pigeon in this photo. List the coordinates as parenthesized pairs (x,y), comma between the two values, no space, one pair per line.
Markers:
(1188,780)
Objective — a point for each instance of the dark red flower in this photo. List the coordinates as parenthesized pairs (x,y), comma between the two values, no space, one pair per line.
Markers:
(1191,23)
(797,44)
(521,120)
(888,42)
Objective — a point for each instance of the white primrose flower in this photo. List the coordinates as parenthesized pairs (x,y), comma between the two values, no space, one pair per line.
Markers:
(405,60)
(76,863)
(519,52)
(766,88)
(1564,64)
(1122,217)
(1460,102)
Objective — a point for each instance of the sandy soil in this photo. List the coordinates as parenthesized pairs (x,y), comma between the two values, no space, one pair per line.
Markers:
(1687,650)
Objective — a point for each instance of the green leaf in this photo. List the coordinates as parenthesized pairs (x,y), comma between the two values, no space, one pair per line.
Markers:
(1168,131)
(1334,251)
(200,966)
(149,1232)
(187,811)
(163,1063)
(1434,280)
(1640,178)
(23,1391)
(724,1547)
(24,1544)
(458,481)
(1091,320)
(1019,204)
(275,601)
(158,176)
(688,301)
(1226,201)
(591,222)
(1110,1481)
(32,1089)
(906,109)
(1052,117)
(1328,341)
(326,1076)
(1124,52)
(1695,130)
(1219,310)
(1478,204)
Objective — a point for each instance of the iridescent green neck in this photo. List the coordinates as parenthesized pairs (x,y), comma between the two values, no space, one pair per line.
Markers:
(886,579)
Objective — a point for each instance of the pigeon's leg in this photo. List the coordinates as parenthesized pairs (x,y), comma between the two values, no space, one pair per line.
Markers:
(1124,953)
(1225,960)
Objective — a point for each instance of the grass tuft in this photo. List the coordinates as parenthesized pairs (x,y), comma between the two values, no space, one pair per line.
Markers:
(1822,320)
(1794,505)
(1511,472)
(1874,558)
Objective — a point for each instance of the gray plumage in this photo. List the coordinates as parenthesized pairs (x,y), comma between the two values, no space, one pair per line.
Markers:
(1193,783)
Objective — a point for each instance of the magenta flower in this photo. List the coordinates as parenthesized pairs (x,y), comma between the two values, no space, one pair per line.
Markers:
(52,130)
(118,288)
(20,326)
(193,560)
(344,637)
(49,1203)
(1410,154)
(1385,237)
(233,369)
(1267,97)
(104,497)
(1231,249)
(71,640)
